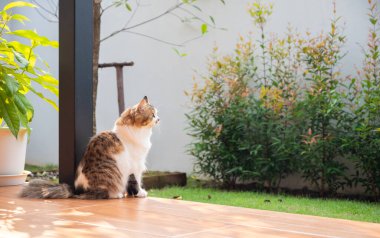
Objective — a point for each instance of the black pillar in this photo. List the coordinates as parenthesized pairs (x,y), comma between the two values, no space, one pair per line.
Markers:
(75,84)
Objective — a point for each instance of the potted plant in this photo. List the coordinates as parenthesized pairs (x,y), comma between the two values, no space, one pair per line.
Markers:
(19,72)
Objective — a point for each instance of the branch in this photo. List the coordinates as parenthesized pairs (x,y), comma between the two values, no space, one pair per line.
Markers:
(196,17)
(192,39)
(48,11)
(45,9)
(106,8)
(46,18)
(143,22)
(154,38)
(133,14)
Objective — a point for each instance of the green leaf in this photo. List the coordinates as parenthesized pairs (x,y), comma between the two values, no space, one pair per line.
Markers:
(32,35)
(129,8)
(51,102)
(196,7)
(179,53)
(49,79)
(18,4)
(19,17)
(8,110)
(48,82)
(24,106)
(212,20)
(20,58)
(373,21)
(24,121)
(11,85)
(204,28)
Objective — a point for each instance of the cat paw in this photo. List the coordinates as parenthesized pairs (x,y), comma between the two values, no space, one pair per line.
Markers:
(142,193)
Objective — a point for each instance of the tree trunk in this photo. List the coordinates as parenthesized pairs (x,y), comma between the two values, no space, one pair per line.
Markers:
(95,59)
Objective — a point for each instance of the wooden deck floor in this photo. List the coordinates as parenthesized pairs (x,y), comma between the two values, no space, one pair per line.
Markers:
(154,217)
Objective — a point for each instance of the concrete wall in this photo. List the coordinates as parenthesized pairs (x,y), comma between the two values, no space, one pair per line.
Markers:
(163,76)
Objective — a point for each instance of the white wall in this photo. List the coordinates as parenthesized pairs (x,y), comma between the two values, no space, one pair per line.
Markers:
(163,76)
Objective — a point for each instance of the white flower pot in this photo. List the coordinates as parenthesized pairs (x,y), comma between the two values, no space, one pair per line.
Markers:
(12,156)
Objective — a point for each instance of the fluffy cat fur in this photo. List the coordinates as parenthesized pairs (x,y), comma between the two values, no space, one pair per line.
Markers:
(110,159)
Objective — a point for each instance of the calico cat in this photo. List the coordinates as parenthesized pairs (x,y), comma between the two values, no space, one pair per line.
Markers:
(110,158)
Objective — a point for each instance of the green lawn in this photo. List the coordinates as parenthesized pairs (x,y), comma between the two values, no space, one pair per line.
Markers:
(352,210)
(37,168)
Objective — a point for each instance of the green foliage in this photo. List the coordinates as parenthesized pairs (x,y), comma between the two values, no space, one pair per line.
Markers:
(242,118)
(325,115)
(18,69)
(364,144)
(280,106)
(218,121)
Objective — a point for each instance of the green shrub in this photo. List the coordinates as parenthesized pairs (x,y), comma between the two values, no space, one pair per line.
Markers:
(218,120)
(279,106)
(365,143)
(242,117)
(326,117)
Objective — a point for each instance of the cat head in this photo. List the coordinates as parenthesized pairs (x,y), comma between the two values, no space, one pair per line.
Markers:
(142,114)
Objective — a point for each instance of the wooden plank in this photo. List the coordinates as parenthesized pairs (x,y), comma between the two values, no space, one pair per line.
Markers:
(156,217)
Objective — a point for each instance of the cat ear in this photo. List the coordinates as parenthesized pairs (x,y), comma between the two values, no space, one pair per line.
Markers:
(143,102)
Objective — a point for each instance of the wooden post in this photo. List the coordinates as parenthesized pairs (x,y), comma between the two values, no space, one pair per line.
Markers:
(119,81)
(120,88)
(75,84)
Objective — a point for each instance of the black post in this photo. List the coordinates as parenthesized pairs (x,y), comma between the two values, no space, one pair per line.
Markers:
(75,84)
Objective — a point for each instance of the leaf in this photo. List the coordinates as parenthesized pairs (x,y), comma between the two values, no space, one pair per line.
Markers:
(179,53)
(49,79)
(196,7)
(9,113)
(18,4)
(51,102)
(48,82)
(32,35)
(129,8)
(11,85)
(19,17)
(24,121)
(212,20)
(204,28)
(373,21)
(20,58)
(24,106)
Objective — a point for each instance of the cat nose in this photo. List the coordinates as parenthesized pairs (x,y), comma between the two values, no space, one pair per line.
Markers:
(157,120)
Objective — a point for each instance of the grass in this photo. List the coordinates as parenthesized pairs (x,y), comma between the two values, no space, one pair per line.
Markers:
(37,168)
(334,208)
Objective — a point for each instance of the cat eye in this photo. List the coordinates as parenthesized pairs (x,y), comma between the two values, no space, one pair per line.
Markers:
(154,116)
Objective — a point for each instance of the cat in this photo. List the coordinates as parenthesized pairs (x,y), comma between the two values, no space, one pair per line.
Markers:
(109,160)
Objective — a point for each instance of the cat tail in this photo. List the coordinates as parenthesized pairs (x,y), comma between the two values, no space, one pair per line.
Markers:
(93,194)
(38,188)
